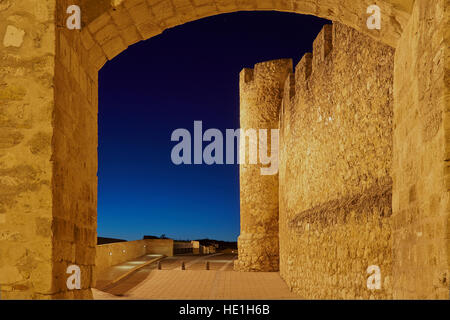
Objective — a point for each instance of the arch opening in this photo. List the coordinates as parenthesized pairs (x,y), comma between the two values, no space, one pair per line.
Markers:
(49,161)
(111,33)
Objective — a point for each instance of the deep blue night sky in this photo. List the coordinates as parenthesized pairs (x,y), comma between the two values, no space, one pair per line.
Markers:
(188,73)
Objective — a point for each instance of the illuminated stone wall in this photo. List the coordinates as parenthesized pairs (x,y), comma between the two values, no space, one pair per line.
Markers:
(27,97)
(48,133)
(261,91)
(420,203)
(336,167)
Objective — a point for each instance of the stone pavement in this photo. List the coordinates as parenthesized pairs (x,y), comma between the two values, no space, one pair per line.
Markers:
(211,285)
(197,283)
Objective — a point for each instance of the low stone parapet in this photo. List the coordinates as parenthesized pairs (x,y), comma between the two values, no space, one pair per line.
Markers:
(115,253)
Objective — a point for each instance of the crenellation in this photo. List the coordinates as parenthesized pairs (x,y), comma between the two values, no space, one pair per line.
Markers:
(303,70)
(258,240)
(335,169)
(275,69)
(322,45)
(289,88)
(246,76)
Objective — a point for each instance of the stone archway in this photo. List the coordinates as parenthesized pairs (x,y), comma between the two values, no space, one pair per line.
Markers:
(48,121)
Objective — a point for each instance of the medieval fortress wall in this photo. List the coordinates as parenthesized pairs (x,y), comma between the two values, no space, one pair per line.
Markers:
(335,180)
(362,174)
(336,160)
(261,91)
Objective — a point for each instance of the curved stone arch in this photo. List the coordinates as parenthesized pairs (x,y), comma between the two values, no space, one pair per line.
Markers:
(49,104)
(109,30)
(120,23)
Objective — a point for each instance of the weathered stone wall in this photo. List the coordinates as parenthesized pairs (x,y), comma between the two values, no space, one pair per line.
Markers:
(421,155)
(75,136)
(335,167)
(261,91)
(27,62)
(49,151)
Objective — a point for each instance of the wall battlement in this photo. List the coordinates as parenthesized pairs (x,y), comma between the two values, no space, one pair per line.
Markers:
(322,49)
(268,76)
(246,75)
(335,167)
(275,70)
(322,45)
(261,93)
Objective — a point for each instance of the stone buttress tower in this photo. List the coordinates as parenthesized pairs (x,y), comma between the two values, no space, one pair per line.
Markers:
(261,91)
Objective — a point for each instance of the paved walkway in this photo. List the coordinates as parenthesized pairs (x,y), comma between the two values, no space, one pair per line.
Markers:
(196,283)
